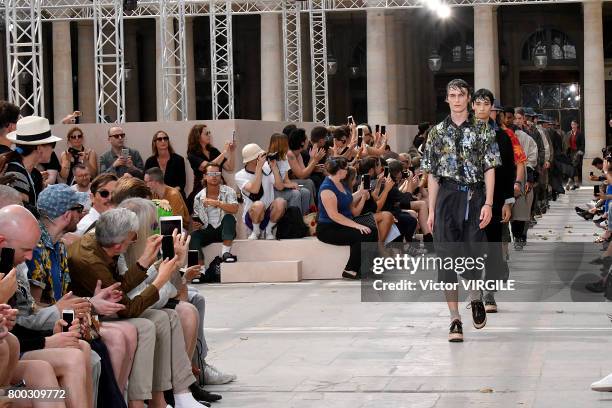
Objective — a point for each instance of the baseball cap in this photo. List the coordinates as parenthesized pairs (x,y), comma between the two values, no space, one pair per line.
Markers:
(251,152)
(56,199)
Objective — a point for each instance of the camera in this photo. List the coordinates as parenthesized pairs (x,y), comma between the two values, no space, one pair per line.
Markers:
(272,156)
(76,154)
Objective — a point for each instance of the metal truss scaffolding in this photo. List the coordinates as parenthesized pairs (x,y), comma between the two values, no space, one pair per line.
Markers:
(173,61)
(318,61)
(109,61)
(24,55)
(292,55)
(221,59)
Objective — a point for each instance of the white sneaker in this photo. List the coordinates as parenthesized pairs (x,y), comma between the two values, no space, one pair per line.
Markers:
(603,385)
(253,236)
(212,376)
(269,234)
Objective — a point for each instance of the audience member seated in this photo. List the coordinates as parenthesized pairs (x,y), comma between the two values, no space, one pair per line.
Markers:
(171,164)
(336,212)
(77,154)
(257,182)
(128,187)
(200,152)
(94,257)
(344,145)
(9,115)
(120,159)
(295,195)
(34,144)
(300,173)
(154,178)
(421,136)
(101,194)
(215,206)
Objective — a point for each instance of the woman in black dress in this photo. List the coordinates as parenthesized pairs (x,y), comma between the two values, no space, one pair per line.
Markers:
(200,152)
(172,164)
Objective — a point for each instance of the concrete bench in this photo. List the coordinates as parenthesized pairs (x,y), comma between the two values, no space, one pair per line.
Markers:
(268,271)
(318,260)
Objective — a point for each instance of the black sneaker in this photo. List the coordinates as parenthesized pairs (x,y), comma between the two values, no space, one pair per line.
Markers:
(479,314)
(229,258)
(200,394)
(455,334)
(490,306)
(595,287)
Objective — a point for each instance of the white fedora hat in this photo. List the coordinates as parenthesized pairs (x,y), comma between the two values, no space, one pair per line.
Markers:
(32,130)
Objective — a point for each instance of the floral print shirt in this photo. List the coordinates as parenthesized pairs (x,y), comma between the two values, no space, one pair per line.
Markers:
(461,153)
(48,268)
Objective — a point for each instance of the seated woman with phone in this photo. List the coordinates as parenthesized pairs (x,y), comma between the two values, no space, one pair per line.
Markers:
(300,173)
(337,209)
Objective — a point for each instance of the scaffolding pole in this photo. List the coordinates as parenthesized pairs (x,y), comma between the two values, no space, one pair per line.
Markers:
(221,59)
(292,56)
(173,62)
(318,61)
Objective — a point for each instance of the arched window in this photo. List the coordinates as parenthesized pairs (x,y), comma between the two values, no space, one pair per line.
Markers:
(559,48)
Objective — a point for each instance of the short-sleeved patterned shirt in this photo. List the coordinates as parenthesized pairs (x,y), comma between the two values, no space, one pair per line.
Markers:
(461,153)
(48,268)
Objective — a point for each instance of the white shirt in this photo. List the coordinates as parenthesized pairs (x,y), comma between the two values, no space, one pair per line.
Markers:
(87,205)
(267,185)
(83,225)
(283,167)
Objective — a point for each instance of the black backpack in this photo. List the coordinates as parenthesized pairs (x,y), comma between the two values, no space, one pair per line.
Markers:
(291,225)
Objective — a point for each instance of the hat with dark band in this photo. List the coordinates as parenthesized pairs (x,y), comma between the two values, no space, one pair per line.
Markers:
(32,131)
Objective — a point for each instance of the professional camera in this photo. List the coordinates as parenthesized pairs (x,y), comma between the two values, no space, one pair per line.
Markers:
(272,156)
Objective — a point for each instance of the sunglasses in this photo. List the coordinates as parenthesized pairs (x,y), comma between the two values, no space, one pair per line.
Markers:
(104,193)
(119,136)
(76,136)
(163,139)
(78,208)
(213,173)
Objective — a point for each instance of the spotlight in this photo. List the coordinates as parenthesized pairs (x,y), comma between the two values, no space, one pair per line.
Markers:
(444,11)
(130,5)
(572,88)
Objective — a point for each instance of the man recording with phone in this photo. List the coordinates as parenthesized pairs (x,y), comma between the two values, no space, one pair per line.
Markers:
(120,159)
(257,182)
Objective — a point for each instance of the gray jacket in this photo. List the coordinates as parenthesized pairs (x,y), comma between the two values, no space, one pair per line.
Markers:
(30,315)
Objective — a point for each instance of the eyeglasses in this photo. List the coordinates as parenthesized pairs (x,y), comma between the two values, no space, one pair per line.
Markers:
(76,136)
(119,136)
(78,208)
(104,193)
(163,139)
(213,173)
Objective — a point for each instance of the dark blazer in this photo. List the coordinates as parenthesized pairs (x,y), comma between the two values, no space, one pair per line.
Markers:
(175,170)
(505,175)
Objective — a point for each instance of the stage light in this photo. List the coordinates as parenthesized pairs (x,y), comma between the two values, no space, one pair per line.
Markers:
(444,11)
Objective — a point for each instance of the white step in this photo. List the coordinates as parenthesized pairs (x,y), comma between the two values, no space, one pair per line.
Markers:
(273,271)
(319,260)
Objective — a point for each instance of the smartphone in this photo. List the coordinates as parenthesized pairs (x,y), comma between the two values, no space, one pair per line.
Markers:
(68,317)
(386,171)
(7,260)
(349,119)
(167,247)
(169,224)
(192,258)
(405,174)
(591,174)
(377,129)
(125,153)
(366,181)
(233,136)
(383,130)
(596,190)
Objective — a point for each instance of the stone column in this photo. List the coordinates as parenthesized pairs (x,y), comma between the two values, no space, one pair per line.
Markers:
(402,110)
(485,49)
(190,62)
(271,73)
(412,66)
(377,81)
(86,72)
(392,68)
(63,102)
(593,92)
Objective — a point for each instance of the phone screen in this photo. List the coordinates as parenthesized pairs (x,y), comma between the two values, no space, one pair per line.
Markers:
(359,140)
(192,257)
(383,130)
(350,120)
(7,260)
(377,128)
(596,190)
(167,247)
(125,152)
(386,172)
(68,317)
(166,227)
(366,181)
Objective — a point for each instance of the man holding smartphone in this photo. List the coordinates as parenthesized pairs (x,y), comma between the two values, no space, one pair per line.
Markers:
(120,159)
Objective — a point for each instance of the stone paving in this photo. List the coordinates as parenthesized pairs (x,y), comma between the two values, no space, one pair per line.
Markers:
(314,344)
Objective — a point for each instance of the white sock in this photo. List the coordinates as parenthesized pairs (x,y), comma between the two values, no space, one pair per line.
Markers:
(186,400)
(270,226)
(256,229)
(225,249)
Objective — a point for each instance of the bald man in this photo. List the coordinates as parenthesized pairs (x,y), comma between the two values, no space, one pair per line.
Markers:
(120,159)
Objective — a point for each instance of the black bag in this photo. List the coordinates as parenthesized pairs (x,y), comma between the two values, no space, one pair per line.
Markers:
(213,272)
(291,225)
